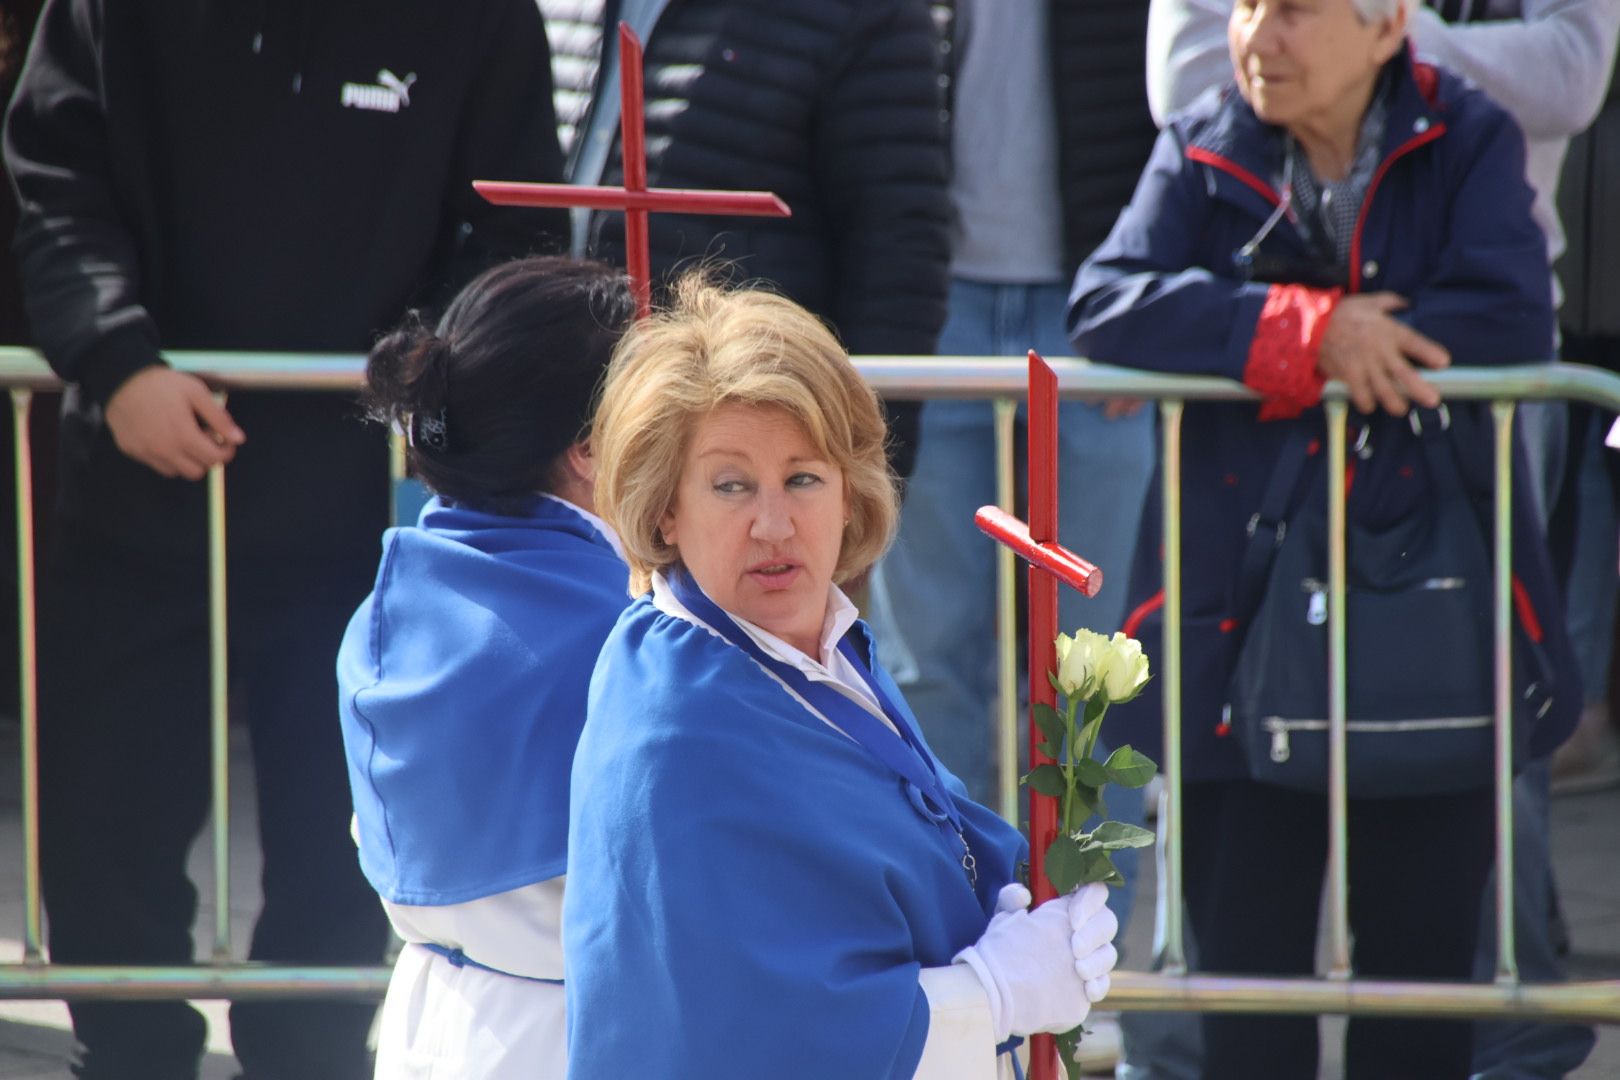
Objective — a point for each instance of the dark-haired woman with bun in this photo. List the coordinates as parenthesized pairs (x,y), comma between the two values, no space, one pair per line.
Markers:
(462,678)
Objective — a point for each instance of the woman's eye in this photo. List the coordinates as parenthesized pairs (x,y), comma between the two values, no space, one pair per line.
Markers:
(730,487)
(803,480)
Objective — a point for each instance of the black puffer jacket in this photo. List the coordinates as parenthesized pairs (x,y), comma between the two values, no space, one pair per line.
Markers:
(835,105)
(1105,131)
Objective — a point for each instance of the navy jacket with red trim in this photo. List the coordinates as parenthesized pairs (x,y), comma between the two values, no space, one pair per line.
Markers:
(1446,224)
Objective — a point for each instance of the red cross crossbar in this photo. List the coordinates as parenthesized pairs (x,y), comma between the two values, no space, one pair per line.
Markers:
(634,198)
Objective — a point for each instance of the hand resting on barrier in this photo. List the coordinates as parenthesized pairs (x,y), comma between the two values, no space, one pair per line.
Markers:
(1373,354)
(169,421)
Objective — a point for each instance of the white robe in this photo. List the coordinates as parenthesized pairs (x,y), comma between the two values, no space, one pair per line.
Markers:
(441,1021)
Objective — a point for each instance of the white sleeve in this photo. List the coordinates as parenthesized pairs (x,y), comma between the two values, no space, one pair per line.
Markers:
(1511,59)
(961,1042)
(1186,52)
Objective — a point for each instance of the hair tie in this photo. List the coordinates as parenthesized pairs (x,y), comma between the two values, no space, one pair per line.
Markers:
(428,427)
(430,431)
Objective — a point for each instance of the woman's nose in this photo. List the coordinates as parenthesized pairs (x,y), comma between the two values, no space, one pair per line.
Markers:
(773,522)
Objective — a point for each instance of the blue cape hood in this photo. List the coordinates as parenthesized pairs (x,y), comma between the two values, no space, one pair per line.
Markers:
(462,683)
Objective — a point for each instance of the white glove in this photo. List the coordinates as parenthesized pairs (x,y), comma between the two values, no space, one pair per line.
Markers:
(1014,897)
(1094,926)
(1040,968)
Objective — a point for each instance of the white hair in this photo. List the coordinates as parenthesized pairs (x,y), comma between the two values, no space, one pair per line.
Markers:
(1372,11)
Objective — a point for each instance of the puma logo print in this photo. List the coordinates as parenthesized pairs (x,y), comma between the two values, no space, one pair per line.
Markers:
(389,93)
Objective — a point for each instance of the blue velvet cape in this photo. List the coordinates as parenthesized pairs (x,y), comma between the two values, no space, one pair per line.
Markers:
(462,683)
(750,893)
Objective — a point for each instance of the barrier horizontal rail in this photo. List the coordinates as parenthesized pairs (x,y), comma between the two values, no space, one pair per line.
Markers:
(1570,1002)
(1131,991)
(905,377)
(235,982)
(924,378)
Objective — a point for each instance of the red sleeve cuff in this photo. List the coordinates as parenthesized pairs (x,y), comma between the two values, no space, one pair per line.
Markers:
(1287,339)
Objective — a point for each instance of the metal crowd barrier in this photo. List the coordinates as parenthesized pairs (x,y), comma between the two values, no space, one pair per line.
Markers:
(1002,381)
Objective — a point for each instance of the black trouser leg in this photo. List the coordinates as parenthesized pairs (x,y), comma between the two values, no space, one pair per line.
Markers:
(318,907)
(123,791)
(1253,892)
(1417,869)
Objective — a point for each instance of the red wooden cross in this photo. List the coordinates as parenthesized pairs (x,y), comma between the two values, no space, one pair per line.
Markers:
(634,198)
(1050,562)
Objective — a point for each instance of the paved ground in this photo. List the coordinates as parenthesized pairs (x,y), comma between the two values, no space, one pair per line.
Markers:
(34,1040)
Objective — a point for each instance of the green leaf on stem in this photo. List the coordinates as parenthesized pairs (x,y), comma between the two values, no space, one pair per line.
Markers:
(1052,724)
(1072,862)
(1091,772)
(1127,768)
(1115,835)
(1046,779)
(1086,801)
(1095,707)
(1063,864)
(1068,1045)
(1094,863)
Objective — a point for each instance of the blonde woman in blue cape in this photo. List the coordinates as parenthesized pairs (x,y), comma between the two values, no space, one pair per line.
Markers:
(770,874)
(463,676)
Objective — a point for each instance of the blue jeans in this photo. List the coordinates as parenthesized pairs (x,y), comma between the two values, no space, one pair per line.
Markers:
(933,596)
(1544,427)
(1516,1050)
(1593,585)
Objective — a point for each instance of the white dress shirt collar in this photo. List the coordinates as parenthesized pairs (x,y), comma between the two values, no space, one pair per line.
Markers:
(835,669)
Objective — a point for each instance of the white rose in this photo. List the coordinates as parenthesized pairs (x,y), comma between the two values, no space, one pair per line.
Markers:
(1078,659)
(1121,669)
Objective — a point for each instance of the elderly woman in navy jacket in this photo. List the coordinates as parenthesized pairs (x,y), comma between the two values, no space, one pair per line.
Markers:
(1337,212)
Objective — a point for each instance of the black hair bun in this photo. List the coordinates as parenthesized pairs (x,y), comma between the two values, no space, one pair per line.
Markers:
(407,374)
(506,383)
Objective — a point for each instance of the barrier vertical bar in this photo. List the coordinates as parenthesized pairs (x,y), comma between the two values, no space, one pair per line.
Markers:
(1338,789)
(396,474)
(27,673)
(1006,416)
(1507,959)
(1174,959)
(219,709)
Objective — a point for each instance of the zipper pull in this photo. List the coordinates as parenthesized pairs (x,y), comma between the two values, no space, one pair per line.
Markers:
(1279,745)
(1316,609)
